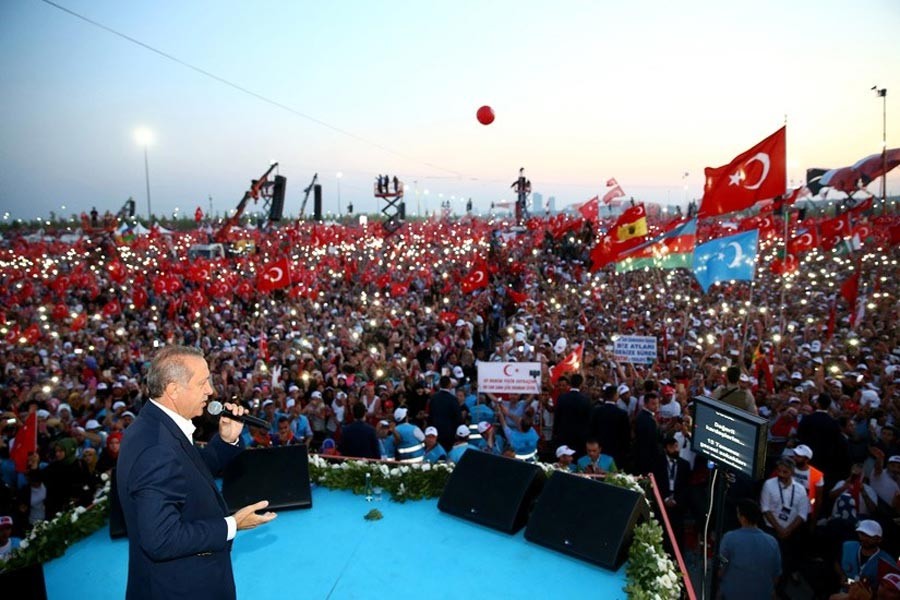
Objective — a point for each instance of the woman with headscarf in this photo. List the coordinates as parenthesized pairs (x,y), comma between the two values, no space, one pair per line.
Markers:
(110,456)
(63,477)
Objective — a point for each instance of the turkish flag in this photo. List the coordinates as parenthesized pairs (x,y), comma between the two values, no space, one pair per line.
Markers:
(117,271)
(139,297)
(834,230)
(79,322)
(571,364)
(612,194)
(112,308)
(754,175)
(448,316)
(32,334)
(476,279)
(611,182)
(244,289)
(850,290)
(784,266)
(12,335)
(199,272)
(803,242)
(862,231)
(399,289)
(590,209)
(26,442)
(274,276)
(60,312)
(517,297)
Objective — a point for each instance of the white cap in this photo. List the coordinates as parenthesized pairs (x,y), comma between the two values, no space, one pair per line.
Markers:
(462,431)
(431,431)
(293,388)
(267,402)
(564,450)
(92,424)
(43,414)
(400,413)
(560,345)
(102,386)
(796,375)
(869,527)
(483,426)
(803,450)
(128,413)
(623,389)
(384,423)
(118,405)
(316,394)
(458,372)
(290,403)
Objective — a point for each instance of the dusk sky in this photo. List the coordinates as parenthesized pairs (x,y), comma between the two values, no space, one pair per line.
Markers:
(643,91)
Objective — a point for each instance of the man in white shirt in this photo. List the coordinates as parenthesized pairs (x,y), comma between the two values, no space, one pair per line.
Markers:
(785,508)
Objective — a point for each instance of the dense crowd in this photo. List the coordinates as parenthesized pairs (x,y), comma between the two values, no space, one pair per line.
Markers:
(372,351)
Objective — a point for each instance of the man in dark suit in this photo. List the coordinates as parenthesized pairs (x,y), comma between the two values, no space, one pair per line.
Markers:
(179,530)
(822,433)
(672,474)
(646,435)
(444,413)
(358,439)
(571,417)
(610,426)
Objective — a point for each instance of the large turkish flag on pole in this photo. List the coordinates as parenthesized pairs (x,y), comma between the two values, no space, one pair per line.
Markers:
(754,175)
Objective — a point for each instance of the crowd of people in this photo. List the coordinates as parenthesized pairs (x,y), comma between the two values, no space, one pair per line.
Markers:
(372,351)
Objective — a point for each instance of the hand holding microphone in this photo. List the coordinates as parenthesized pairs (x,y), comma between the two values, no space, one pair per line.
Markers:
(234,417)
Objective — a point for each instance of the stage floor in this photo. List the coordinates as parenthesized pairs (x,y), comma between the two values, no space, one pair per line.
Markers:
(330,551)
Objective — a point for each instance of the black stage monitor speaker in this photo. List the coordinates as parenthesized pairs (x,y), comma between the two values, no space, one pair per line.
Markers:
(588,519)
(279,475)
(317,202)
(490,490)
(116,516)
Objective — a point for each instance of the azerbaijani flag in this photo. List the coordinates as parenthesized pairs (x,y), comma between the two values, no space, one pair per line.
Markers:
(672,250)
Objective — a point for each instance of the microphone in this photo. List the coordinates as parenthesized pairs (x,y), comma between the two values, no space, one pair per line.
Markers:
(216,409)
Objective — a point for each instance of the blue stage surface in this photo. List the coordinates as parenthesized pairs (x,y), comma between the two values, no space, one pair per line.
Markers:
(331,551)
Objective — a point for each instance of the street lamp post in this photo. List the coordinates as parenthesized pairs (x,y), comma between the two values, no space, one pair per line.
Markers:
(882,93)
(339,176)
(144,136)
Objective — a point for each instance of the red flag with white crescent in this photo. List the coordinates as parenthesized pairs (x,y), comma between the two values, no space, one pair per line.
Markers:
(274,275)
(476,279)
(804,242)
(570,364)
(754,175)
(25,442)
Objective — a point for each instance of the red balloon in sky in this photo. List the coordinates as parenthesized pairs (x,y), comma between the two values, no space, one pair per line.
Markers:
(485,115)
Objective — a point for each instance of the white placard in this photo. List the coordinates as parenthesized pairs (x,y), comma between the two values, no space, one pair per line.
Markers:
(636,349)
(509,377)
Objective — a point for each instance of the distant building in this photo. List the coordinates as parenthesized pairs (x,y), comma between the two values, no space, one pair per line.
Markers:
(537,203)
(551,205)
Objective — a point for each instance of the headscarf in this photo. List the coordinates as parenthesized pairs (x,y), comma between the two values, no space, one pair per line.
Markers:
(69,447)
(117,435)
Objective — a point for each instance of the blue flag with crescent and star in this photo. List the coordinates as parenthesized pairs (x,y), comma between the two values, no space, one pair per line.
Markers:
(730,258)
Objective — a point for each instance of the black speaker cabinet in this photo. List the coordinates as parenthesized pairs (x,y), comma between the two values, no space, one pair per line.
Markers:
(490,490)
(279,475)
(587,519)
(116,516)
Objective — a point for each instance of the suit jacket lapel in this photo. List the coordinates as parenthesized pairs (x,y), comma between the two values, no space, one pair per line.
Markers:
(154,412)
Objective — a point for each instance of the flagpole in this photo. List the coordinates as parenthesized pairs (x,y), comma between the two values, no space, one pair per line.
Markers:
(746,318)
(784,217)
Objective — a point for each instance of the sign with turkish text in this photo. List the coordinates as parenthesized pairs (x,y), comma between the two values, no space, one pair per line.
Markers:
(509,377)
(636,349)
